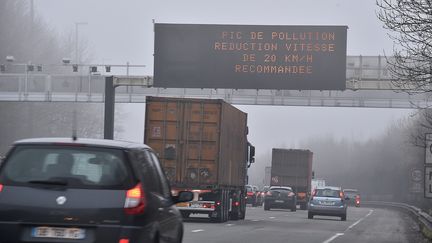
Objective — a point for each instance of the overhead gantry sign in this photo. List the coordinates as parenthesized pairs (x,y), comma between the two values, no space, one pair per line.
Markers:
(250,57)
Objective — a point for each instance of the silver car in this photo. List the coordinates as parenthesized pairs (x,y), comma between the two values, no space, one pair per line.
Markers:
(328,201)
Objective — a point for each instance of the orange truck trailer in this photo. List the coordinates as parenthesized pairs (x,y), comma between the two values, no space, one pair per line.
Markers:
(202,145)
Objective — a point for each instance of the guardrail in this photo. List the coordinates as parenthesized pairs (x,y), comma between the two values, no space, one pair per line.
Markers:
(424,219)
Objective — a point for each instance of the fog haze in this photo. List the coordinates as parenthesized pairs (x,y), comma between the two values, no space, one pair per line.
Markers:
(122,31)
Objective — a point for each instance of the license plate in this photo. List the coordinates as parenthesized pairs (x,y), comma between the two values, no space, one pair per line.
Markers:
(196,205)
(327,203)
(182,204)
(59,233)
(279,201)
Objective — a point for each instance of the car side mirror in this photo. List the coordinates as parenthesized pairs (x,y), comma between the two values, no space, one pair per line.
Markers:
(183,196)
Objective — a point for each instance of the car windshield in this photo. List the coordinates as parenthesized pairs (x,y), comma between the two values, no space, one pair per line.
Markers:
(327,193)
(61,165)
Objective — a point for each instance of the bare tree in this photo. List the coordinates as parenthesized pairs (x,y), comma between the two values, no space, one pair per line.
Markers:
(410,23)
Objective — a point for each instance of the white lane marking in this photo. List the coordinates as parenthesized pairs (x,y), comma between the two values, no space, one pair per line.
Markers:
(229,224)
(350,227)
(333,237)
(255,220)
(358,221)
(197,230)
(272,217)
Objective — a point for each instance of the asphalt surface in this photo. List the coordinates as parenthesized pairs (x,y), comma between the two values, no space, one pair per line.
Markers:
(363,224)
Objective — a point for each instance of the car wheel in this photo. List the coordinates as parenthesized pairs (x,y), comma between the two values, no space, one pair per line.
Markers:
(180,236)
(343,217)
(156,238)
(310,215)
(294,208)
(266,208)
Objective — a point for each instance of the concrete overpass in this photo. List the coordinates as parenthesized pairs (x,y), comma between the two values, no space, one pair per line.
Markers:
(368,85)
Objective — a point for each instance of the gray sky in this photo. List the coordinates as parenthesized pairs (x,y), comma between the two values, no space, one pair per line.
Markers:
(122,31)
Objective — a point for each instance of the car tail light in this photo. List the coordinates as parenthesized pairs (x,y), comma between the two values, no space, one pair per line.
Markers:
(357,199)
(1,187)
(269,193)
(236,204)
(250,193)
(218,203)
(341,195)
(208,205)
(291,194)
(124,241)
(135,200)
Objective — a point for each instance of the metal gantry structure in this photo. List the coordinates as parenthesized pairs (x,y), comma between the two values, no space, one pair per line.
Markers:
(368,84)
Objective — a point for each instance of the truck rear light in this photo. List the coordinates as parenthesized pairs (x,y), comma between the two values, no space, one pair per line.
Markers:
(124,241)
(218,203)
(341,195)
(135,202)
(291,194)
(236,204)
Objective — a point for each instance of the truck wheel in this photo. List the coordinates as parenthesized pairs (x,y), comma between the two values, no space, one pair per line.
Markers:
(234,215)
(242,214)
(303,206)
(310,215)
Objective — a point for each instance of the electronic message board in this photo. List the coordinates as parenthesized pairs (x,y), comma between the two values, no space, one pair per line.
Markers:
(250,56)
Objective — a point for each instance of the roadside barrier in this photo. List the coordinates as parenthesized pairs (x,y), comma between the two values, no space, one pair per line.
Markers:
(424,219)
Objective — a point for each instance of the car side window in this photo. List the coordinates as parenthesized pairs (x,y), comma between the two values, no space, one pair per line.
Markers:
(165,188)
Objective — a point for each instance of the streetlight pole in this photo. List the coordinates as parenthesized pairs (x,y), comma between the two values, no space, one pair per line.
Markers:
(77,59)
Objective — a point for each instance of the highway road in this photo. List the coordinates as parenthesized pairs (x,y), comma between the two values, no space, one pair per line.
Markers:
(363,224)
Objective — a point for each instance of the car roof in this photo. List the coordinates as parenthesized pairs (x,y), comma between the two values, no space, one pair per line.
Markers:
(83,141)
(350,190)
(281,187)
(329,187)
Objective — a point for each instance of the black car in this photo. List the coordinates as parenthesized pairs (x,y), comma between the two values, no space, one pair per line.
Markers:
(86,190)
(280,197)
(251,195)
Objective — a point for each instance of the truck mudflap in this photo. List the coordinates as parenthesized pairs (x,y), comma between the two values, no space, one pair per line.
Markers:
(301,197)
(302,200)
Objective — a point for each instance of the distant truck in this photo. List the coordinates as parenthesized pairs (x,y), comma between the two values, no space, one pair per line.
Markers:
(293,168)
(317,183)
(203,147)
